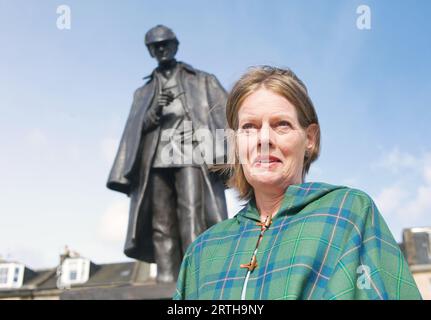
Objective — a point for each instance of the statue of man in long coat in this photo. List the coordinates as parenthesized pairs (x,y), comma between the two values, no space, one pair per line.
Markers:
(171,202)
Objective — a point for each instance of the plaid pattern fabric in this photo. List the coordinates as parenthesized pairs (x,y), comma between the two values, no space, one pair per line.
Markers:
(325,242)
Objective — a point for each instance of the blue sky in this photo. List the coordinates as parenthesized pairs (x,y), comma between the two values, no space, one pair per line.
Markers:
(65,96)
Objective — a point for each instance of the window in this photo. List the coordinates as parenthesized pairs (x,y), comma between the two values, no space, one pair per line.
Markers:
(3,275)
(11,275)
(73,275)
(74,271)
(422,248)
(16,275)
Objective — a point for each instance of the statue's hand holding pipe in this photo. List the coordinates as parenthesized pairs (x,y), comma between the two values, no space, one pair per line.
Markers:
(154,114)
(165,98)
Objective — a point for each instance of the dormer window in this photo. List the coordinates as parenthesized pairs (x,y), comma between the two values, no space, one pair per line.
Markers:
(4,271)
(11,275)
(417,245)
(75,271)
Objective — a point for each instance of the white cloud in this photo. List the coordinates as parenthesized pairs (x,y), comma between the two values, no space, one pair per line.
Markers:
(420,205)
(73,152)
(403,202)
(113,224)
(395,161)
(37,138)
(390,198)
(427,169)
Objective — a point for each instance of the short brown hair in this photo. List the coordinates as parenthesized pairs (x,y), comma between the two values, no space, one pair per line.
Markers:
(285,83)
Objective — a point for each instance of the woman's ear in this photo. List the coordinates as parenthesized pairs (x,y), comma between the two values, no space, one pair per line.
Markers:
(311,131)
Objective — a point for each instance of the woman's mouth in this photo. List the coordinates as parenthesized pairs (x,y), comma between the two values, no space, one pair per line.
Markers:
(266,161)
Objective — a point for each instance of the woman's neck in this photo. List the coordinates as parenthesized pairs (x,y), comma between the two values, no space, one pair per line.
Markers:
(268,204)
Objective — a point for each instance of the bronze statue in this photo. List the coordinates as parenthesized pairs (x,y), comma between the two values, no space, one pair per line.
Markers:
(171,202)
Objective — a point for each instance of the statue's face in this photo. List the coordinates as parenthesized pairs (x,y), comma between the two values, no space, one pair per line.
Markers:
(163,51)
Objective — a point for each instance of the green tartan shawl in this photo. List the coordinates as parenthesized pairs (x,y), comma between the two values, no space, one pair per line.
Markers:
(325,242)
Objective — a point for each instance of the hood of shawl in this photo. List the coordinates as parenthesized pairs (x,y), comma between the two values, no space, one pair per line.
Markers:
(296,197)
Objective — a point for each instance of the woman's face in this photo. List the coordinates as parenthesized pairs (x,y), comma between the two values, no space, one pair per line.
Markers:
(270,141)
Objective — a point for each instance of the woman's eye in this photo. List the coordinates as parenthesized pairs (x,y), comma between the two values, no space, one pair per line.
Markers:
(283,123)
(282,126)
(247,126)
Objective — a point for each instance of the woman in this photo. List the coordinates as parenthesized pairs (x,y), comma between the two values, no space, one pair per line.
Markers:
(294,239)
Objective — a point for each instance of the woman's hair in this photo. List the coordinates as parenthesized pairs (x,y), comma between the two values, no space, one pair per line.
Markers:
(280,81)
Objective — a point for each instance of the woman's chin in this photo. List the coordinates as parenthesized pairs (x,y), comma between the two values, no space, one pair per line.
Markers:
(266,178)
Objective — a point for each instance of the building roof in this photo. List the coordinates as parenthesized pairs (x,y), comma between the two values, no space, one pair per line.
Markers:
(104,275)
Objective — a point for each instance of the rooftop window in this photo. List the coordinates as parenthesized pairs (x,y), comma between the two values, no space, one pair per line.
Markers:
(74,271)
(11,275)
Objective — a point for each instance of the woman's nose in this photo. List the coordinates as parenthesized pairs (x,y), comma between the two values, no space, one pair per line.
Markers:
(265,138)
